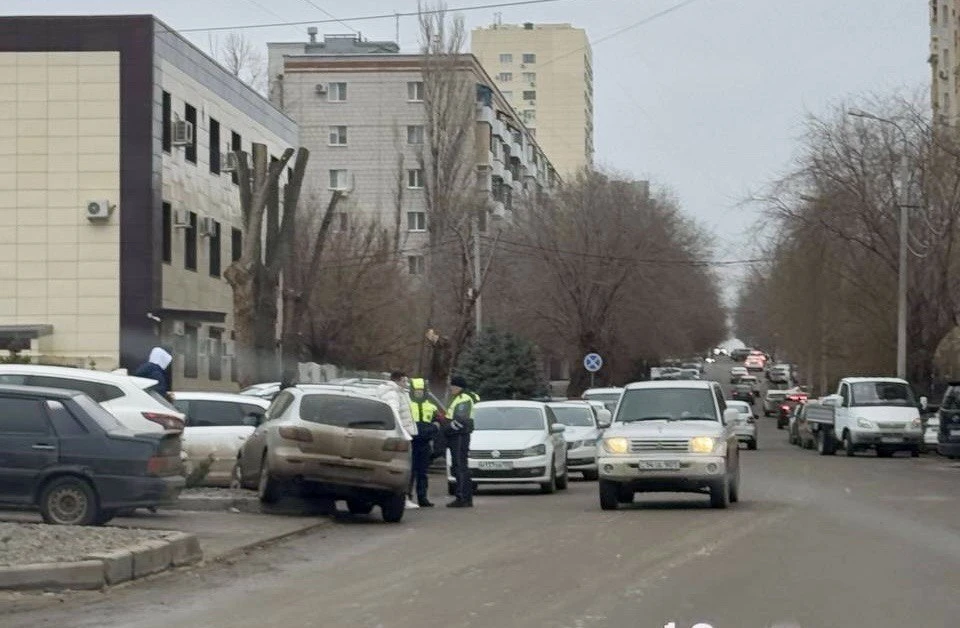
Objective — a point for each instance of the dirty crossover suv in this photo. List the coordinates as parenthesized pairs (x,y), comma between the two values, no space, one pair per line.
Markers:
(333,442)
(670,437)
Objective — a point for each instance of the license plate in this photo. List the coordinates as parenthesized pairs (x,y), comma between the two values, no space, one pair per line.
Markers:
(658,465)
(494,465)
(891,439)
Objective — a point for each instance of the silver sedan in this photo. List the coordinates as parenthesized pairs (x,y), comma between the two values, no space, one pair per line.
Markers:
(746,425)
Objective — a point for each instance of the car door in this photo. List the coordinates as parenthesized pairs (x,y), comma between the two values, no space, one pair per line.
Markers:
(215,428)
(559,442)
(251,452)
(27,447)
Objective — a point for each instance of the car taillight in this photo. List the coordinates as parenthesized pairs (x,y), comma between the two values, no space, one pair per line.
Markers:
(396,444)
(300,434)
(167,421)
(784,407)
(162,465)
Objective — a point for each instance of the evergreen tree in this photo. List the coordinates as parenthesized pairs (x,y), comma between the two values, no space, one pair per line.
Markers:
(501,365)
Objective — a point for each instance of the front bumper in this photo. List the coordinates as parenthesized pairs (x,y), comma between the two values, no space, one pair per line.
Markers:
(863,438)
(534,469)
(694,470)
(582,459)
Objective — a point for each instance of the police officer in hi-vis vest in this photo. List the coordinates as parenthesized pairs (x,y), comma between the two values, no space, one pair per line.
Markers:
(424,411)
(457,428)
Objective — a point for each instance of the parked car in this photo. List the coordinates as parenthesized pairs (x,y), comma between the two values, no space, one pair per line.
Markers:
(581,435)
(670,437)
(737,372)
(64,454)
(516,442)
(217,425)
(745,426)
(266,390)
(689,374)
(609,396)
(948,418)
(339,444)
(132,400)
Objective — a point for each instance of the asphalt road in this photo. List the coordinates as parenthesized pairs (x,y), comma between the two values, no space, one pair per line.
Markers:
(814,543)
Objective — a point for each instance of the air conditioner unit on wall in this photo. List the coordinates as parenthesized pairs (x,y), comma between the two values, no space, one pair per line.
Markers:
(320,89)
(180,219)
(229,162)
(208,227)
(98,210)
(182,133)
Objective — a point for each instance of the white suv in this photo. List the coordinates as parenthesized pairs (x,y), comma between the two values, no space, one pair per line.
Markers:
(131,400)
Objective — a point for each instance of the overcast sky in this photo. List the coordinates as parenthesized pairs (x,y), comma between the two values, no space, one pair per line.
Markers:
(708,100)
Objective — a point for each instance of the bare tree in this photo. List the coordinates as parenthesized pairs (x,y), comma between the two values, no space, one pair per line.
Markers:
(242,59)
(255,277)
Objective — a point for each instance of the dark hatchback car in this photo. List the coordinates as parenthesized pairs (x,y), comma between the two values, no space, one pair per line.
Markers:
(62,453)
(743,392)
(948,438)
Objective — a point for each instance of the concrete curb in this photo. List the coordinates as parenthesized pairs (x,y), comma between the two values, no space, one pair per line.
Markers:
(217,504)
(105,568)
(243,549)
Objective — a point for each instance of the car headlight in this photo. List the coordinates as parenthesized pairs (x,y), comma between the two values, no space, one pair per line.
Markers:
(861,422)
(536,450)
(616,445)
(702,444)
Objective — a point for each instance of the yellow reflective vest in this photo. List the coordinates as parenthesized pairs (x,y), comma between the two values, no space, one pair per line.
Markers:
(423,411)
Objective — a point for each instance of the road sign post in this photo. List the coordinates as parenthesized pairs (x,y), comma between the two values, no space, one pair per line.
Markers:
(592,362)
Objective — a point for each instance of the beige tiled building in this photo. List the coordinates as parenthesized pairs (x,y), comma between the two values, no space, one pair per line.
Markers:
(546,73)
(116,230)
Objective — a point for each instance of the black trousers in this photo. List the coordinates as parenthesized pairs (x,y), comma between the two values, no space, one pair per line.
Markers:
(459,445)
(421,455)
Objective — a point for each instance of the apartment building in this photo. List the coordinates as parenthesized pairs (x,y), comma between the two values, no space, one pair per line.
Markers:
(944,60)
(121,212)
(361,113)
(545,71)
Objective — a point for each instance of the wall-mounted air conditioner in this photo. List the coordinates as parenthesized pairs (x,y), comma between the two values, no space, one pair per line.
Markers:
(182,133)
(98,211)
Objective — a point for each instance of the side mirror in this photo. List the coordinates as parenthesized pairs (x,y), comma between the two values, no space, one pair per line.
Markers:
(731,415)
(557,428)
(604,422)
(252,419)
(834,401)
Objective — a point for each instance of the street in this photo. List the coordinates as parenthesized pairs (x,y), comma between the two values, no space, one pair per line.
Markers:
(815,542)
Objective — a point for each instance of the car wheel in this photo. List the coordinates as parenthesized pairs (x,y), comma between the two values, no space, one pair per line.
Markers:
(591,475)
(392,507)
(451,488)
(609,495)
(563,481)
(550,486)
(359,507)
(268,488)
(735,488)
(848,445)
(825,443)
(720,494)
(752,444)
(69,501)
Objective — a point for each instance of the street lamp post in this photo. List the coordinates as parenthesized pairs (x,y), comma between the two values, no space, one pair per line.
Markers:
(903,205)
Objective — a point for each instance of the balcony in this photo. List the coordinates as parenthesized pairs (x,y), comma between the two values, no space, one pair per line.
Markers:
(486,114)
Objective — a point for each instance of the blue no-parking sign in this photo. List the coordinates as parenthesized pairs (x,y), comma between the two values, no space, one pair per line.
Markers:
(592,362)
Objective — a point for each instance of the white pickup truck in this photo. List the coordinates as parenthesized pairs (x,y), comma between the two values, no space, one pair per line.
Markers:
(878,413)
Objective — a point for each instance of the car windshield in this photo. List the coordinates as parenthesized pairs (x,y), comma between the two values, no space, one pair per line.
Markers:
(742,408)
(488,418)
(667,404)
(573,416)
(881,394)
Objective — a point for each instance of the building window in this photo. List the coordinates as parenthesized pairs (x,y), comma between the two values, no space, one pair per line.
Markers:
(415,178)
(505,77)
(415,91)
(506,57)
(530,94)
(167,233)
(530,77)
(190,357)
(215,355)
(214,146)
(167,114)
(236,244)
(416,221)
(215,249)
(529,115)
(415,264)
(190,243)
(529,57)
(338,136)
(338,180)
(235,147)
(337,92)
(190,115)
(415,134)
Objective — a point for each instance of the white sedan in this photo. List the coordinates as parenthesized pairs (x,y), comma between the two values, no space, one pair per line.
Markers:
(516,442)
(746,425)
(581,435)
(217,425)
